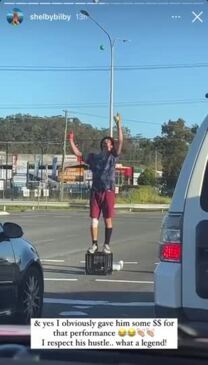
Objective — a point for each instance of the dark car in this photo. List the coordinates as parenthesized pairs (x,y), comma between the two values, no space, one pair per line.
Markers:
(21,275)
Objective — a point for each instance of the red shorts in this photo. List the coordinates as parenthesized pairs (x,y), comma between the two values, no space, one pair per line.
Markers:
(102,201)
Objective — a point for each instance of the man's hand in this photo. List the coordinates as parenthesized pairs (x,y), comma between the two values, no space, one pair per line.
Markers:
(118,121)
(74,148)
(117,118)
(71,136)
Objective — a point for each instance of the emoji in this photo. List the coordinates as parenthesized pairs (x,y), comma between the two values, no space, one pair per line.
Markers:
(131,332)
(151,333)
(141,332)
(122,332)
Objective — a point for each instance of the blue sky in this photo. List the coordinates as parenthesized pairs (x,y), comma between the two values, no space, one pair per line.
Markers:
(146,98)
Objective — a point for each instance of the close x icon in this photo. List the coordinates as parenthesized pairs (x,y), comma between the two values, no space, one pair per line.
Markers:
(197,16)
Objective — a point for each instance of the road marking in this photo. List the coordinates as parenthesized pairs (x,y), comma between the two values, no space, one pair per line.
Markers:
(48,260)
(82,306)
(125,262)
(126,281)
(74,301)
(131,262)
(73,313)
(103,280)
(59,279)
(6,313)
(95,302)
(45,241)
(156,263)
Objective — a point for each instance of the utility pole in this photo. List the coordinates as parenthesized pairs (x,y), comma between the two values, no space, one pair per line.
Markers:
(7,155)
(156,157)
(63,157)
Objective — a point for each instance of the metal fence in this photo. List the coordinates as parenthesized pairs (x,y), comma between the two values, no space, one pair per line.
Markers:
(47,194)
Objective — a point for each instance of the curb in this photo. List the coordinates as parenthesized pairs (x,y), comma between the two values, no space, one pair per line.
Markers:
(35,206)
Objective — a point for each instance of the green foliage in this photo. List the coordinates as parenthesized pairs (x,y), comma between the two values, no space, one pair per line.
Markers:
(144,194)
(33,134)
(44,135)
(173,146)
(147,177)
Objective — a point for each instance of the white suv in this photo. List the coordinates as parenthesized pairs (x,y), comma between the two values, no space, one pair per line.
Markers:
(181,278)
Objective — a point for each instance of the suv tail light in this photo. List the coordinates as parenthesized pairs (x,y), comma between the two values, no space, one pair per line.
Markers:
(171,241)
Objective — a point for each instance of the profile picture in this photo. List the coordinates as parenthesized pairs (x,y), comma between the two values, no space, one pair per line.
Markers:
(15,17)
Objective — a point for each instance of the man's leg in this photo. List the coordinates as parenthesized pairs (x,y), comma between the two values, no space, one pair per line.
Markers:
(94,230)
(108,233)
(94,214)
(108,213)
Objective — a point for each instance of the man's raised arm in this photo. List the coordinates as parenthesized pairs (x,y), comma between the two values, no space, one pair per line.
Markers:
(118,120)
(74,148)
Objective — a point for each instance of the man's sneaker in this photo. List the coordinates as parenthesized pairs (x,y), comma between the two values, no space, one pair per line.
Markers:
(93,248)
(106,248)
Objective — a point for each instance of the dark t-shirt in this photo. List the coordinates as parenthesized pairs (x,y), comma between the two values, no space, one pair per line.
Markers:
(102,166)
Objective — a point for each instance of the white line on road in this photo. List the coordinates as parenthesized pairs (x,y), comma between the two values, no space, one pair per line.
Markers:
(103,280)
(126,281)
(125,262)
(156,263)
(73,313)
(131,262)
(96,302)
(74,301)
(45,241)
(82,306)
(48,260)
(59,279)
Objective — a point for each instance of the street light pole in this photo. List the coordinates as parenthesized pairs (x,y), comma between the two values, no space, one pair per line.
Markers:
(111,87)
(112,43)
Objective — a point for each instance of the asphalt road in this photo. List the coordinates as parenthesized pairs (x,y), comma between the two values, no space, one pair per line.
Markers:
(62,238)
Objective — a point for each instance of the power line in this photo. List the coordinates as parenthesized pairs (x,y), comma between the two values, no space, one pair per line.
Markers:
(100,68)
(103,117)
(126,120)
(102,105)
(141,122)
(90,115)
(162,102)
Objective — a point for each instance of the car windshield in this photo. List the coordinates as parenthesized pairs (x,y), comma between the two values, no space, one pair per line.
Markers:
(100,103)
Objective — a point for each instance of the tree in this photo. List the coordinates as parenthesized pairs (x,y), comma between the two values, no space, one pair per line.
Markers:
(147,177)
(25,133)
(173,146)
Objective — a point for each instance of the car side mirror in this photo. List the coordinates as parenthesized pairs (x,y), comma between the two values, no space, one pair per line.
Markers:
(12,230)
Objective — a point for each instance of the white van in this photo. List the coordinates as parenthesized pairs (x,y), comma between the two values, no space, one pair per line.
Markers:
(181,277)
